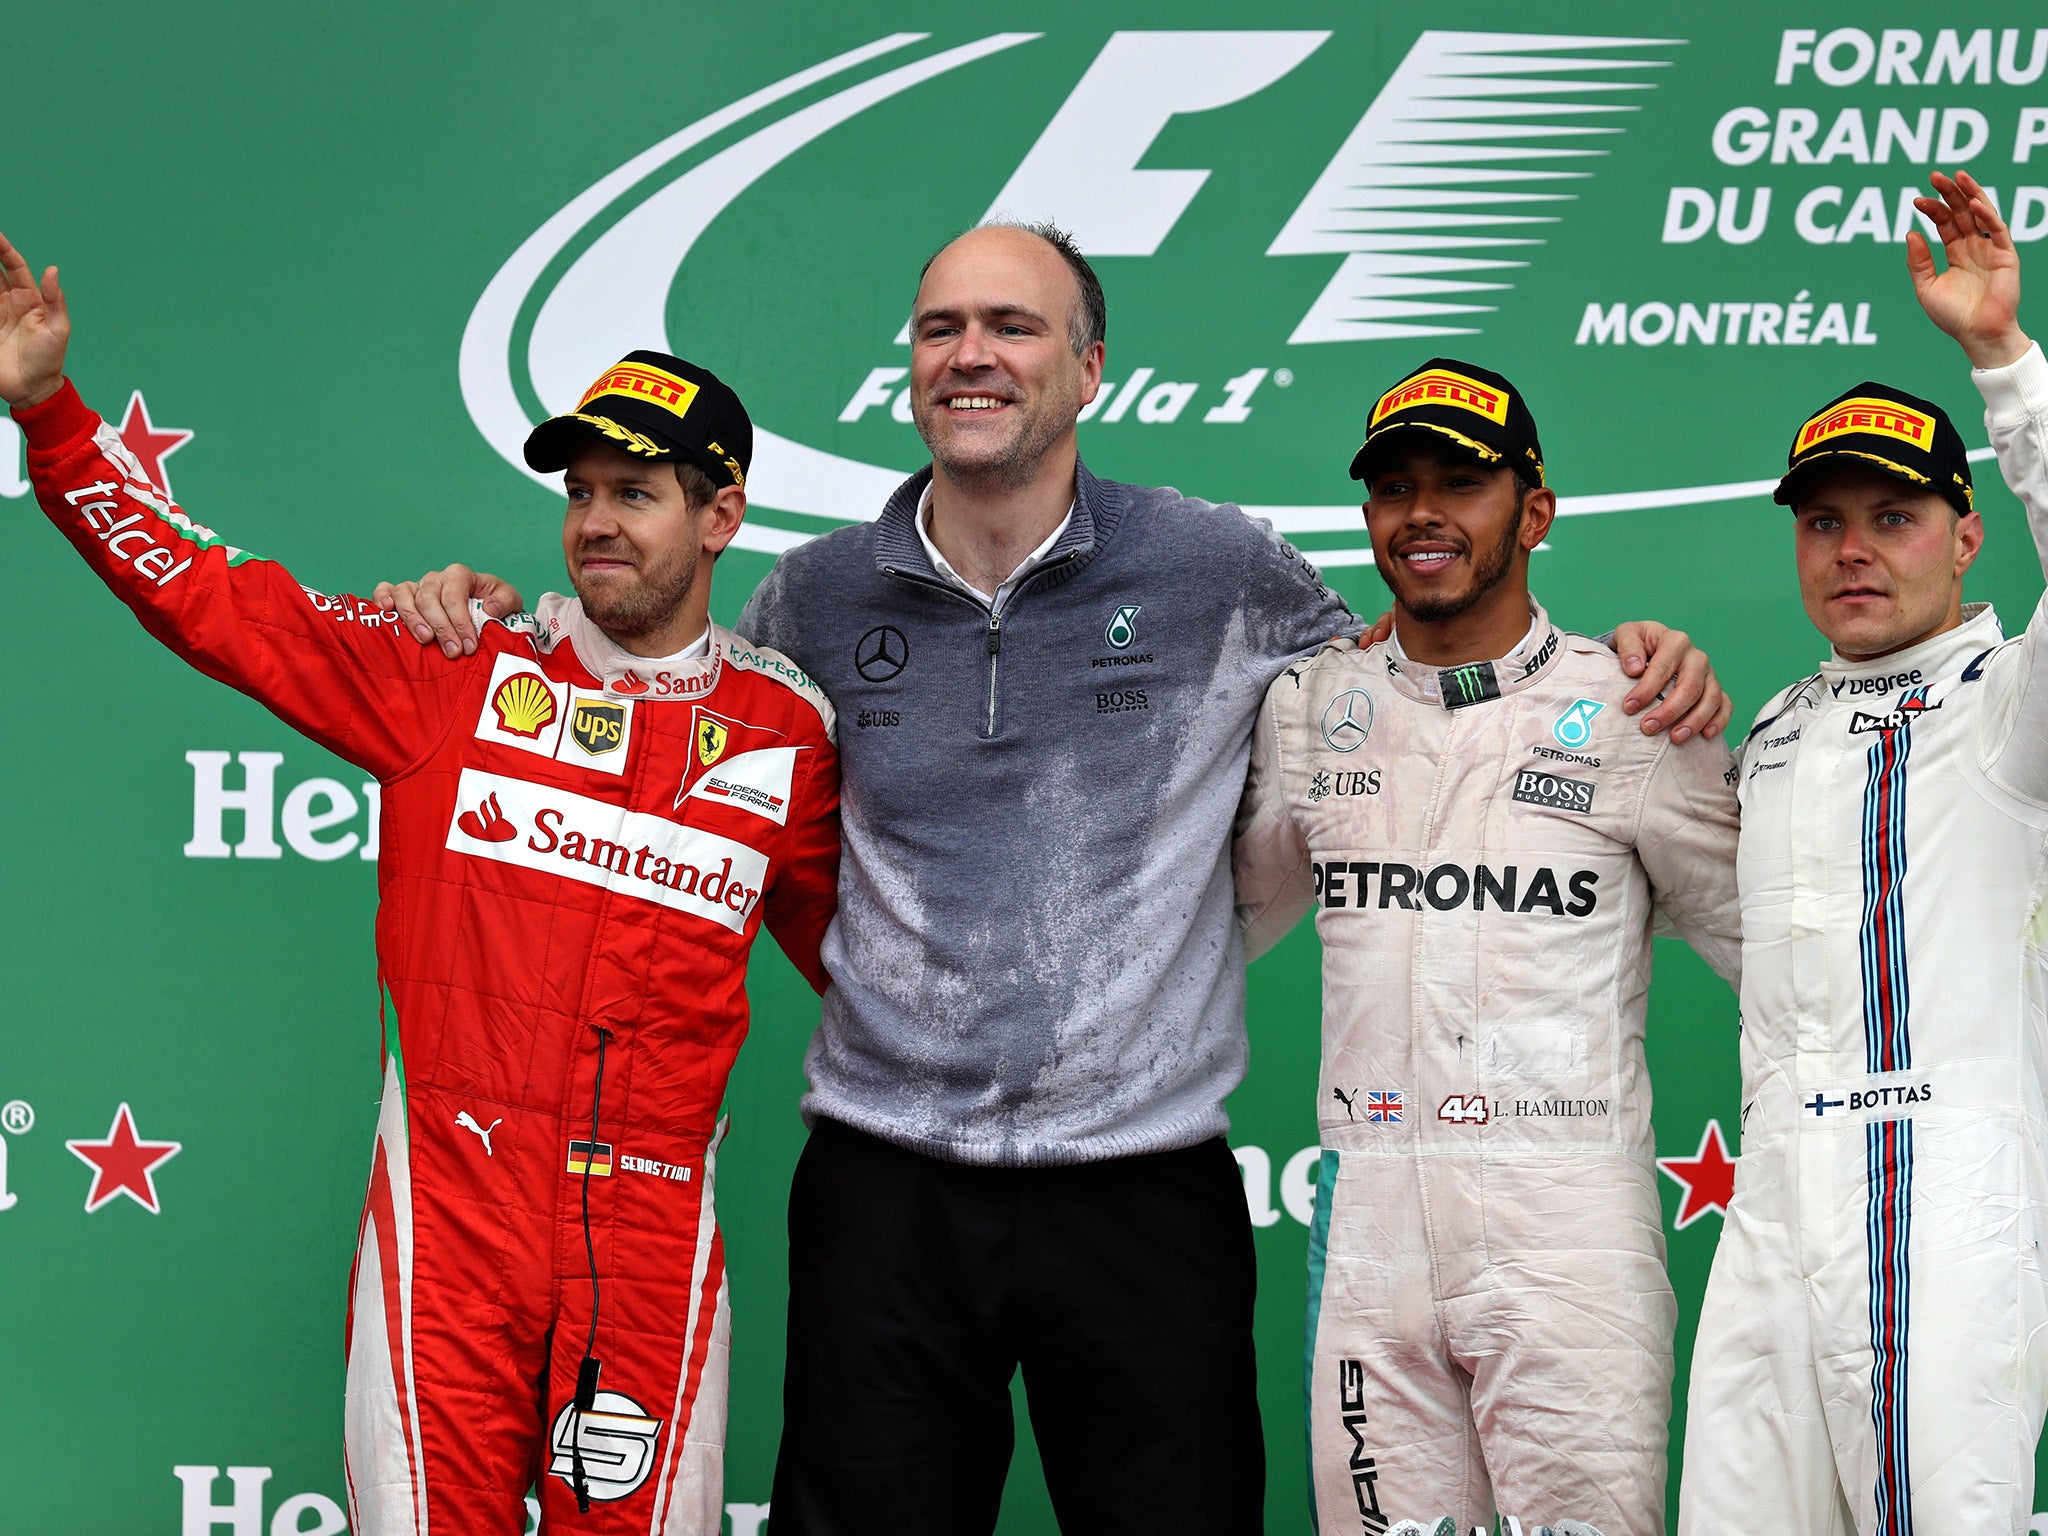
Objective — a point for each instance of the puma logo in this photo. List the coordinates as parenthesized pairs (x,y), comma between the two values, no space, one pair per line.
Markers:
(1345,1099)
(468,1123)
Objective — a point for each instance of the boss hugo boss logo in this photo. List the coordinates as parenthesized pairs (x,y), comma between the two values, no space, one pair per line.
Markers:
(1119,701)
(1347,720)
(1543,654)
(881,654)
(1536,788)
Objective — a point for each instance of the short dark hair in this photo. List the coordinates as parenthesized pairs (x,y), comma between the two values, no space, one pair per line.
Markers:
(698,487)
(1090,321)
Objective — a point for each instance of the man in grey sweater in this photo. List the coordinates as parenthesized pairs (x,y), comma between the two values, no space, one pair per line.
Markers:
(1046,684)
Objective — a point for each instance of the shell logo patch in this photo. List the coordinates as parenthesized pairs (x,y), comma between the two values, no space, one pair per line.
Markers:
(523,704)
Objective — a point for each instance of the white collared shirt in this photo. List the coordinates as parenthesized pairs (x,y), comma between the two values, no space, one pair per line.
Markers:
(1030,562)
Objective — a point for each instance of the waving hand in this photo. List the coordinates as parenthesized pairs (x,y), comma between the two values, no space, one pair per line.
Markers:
(1977,299)
(35,327)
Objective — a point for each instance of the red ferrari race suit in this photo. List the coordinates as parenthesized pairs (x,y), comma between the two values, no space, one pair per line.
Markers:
(578,848)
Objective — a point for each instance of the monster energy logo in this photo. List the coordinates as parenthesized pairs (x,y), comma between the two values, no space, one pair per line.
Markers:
(1461,686)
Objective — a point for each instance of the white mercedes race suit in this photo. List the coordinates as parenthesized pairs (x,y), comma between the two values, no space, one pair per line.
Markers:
(1870,1354)
(1490,1321)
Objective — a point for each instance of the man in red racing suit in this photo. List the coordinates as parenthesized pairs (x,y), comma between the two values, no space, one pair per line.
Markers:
(579,846)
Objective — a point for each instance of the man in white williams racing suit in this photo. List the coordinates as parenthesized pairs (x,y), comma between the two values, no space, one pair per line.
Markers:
(1485,836)
(1871,1354)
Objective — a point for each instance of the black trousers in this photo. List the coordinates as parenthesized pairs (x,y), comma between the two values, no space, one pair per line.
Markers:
(918,1287)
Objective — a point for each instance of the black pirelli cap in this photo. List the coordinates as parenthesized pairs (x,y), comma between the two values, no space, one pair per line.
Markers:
(1884,429)
(1462,407)
(653,406)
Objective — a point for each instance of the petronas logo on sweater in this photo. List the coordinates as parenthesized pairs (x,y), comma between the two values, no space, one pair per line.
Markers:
(1123,628)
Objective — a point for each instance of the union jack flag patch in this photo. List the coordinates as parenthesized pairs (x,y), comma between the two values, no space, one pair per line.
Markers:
(1383,1108)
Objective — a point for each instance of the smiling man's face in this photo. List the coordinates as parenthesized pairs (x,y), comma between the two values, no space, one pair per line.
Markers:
(995,380)
(1445,531)
(1880,562)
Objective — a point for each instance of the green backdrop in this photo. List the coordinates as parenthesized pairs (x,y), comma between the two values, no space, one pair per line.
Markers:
(353,250)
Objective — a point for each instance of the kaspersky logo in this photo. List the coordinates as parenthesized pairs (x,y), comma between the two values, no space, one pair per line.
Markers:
(1444,189)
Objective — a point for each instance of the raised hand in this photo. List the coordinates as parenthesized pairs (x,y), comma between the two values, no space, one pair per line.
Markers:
(1977,299)
(35,327)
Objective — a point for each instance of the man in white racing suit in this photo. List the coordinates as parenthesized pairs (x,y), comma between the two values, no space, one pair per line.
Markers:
(1486,838)
(1871,1354)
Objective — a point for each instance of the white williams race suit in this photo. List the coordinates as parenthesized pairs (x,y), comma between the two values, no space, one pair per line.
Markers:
(1486,848)
(1870,1356)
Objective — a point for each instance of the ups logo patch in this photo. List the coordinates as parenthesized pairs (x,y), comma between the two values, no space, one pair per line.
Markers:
(598,726)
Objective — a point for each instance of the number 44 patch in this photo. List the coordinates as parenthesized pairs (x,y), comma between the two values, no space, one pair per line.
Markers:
(1463,1109)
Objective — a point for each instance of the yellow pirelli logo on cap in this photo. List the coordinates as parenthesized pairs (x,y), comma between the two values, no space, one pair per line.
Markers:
(1886,418)
(1442,387)
(655,385)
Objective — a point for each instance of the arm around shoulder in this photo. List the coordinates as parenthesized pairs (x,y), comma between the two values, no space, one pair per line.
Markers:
(1269,857)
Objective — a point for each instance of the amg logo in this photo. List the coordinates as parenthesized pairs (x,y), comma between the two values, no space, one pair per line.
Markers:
(1365,1474)
(1349,884)
(1533,788)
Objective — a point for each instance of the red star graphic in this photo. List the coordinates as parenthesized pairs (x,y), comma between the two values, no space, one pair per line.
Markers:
(121,1164)
(1708,1177)
(150,443)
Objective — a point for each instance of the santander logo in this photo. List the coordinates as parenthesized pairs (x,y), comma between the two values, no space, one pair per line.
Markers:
(574,837)
(487,823)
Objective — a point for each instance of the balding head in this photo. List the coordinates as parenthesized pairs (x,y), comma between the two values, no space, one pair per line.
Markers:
(1088,312)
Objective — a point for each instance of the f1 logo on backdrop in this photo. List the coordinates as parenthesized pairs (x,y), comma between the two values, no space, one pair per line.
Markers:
(1470,132)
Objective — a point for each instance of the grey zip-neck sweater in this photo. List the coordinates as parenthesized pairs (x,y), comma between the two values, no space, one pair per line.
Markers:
(1036,959)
